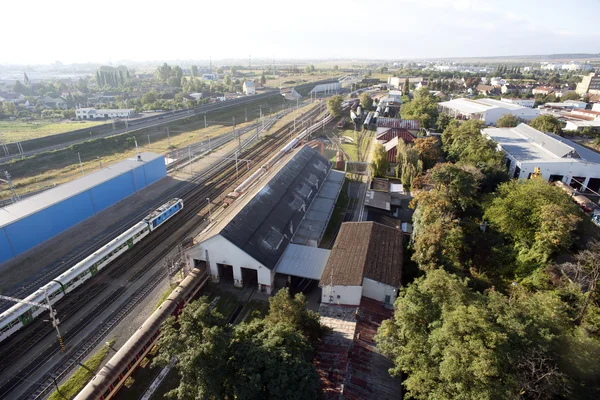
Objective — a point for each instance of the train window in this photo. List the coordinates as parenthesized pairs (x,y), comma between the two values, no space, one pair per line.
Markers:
(140,354)
(106,394)
(5,329)
(116,382)
(125,371)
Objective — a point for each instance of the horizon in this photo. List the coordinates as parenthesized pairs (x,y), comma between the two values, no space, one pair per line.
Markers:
(431,29)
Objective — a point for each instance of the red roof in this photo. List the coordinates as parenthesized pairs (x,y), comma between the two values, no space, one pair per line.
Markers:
(410,124)
(396,132)
(391,154)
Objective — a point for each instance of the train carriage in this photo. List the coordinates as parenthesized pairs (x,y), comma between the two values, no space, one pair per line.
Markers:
(21,315)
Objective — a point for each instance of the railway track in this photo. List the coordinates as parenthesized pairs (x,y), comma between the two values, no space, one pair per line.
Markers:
(92,244)
(213,183)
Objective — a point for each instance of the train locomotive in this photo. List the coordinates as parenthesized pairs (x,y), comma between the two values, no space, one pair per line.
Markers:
(22,314)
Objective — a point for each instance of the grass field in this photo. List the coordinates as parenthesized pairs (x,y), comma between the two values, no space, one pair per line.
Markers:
(13,131)
(82,376)
(299,79)
(53,168)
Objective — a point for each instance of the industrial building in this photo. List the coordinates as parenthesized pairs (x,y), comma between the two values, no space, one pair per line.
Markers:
(326,88)
(27,223)
(557,158)
(291,204)
(486,110)
(366,260)
(93,113)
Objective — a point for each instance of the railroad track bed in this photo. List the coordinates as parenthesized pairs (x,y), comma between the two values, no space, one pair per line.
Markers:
(214,183)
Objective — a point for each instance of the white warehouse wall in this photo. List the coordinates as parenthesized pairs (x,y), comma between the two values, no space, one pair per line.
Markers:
(222,251)
(377,290)
(348,295)
(525,113)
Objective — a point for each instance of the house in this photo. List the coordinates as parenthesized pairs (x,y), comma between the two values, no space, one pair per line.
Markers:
(93,113)
(520,102)
(508,88)
(384,135)
(58,102)
(486,110)
(11,97)
(366,260)
(196,96)
(544,90)
(497,81)
(486,89)
(558,159)
(411,125)
(397,82)
(248,88)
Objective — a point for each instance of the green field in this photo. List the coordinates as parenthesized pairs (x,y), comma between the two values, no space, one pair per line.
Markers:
(14,131)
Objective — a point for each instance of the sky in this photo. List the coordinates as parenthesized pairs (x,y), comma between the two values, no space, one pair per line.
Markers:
(72,31)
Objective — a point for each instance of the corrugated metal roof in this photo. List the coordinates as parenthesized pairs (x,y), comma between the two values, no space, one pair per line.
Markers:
(365,249)
(388,134)
(303,261)
(526,143)
(410,124)
(377,199)
(34,204)
(264,226)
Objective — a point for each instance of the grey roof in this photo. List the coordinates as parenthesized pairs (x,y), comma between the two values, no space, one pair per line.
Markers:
(264,226)
(311,229)
(585,153)
(527,144)
(378,199)
(303,261)
(34,204)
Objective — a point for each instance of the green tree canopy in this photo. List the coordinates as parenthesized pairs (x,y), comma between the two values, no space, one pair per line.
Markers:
(454,343)
(538,217)
(268,358)
(423,107)
(570,96)
(334,104)
(508,121)
(380,163)
(547,123)
(367,101)
(429,151)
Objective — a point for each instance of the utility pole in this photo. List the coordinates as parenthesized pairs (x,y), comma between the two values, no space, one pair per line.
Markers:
(168,138)
(208,201)
(190,155)
(80,164)
(148,140)
(46,306)
(15,196)
(205,124)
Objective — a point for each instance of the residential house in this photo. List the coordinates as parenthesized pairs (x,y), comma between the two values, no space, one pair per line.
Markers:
(248,88)
(544,90)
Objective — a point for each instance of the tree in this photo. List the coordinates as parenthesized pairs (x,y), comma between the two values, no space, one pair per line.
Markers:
(454,343)
(443,121)
(423,107)
(380,164)
(263,79)
(429,151)
(268,358)
(194,71)
(367,101)
(334,104)
(539,219)
(570,96)
(406,88)
(335,67)
(547,123)
(508,121)
(164,72)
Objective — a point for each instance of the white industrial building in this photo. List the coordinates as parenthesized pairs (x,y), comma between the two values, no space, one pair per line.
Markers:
(249,88)
(520,102)
(93,113)
(326,88)
(557,158)
(366,260)
(291,204)
(486,110)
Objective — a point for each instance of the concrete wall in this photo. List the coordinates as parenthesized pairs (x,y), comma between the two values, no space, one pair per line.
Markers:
(345,295)
(377,291)
(222,251)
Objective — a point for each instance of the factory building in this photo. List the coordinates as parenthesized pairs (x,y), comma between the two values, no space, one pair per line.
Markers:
(558,159)
(290,204)
(485,110)
(27,223)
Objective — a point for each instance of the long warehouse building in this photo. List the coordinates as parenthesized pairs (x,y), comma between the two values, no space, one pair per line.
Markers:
(27,223)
